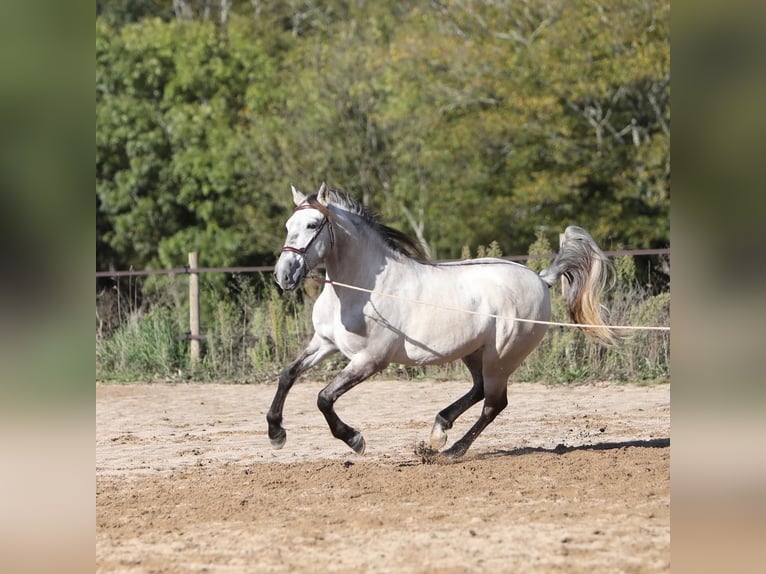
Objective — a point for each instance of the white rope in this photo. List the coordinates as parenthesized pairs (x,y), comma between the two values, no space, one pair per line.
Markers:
(470,312)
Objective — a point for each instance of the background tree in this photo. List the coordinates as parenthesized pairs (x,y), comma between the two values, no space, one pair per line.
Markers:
(177,108)
(463,122)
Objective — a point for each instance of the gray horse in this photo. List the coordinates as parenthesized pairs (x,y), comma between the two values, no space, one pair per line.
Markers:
(469,312)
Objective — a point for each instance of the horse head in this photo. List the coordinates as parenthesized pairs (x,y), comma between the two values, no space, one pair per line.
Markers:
(309,239)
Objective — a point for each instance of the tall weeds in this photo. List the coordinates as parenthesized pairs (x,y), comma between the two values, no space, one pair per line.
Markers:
(144,346)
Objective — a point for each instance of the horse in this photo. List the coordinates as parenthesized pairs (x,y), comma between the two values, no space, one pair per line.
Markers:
(384,302)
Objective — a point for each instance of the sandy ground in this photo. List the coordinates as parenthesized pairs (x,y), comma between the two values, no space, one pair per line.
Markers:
(567,479)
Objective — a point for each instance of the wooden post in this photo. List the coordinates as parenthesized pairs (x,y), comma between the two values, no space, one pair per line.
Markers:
(193,309)
(563,279)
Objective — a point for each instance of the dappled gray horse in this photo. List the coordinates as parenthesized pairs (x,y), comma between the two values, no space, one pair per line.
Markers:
(384,319)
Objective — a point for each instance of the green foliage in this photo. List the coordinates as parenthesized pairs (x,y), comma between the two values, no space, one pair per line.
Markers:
(175,110)
(625,267)
(565,355)
(492,250)
(462,122)
(253,332)
(120,12)
(146,346)
(538,250)
(250,331)
(646,353)
(537,113)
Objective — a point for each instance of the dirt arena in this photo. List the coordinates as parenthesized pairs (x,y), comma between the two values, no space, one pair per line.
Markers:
(567,479)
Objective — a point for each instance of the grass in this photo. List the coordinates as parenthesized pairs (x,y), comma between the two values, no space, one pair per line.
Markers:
(252,331)
(144,346)
(565,355)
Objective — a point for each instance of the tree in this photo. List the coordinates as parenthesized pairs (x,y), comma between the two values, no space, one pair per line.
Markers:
(176,106)
(463,122)
(531,115)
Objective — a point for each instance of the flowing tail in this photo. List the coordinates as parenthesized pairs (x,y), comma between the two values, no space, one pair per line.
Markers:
(586,271)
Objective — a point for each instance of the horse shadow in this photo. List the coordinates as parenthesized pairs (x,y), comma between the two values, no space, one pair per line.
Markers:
(563,449)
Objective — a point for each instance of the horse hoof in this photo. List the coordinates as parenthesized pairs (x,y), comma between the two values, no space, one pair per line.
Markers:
(357,444)
(455,451)
(278,441)
(438,437)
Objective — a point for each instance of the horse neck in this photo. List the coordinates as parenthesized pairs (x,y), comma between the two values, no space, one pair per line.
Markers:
(358,257)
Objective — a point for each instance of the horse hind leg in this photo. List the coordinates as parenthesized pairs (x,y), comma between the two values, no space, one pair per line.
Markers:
(447,416)
(495,371)
(496,399)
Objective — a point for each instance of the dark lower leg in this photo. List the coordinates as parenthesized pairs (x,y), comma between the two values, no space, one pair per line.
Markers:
(341,430)
(347,379)
(447,416)
(488,414)
(277,434)
(310,356)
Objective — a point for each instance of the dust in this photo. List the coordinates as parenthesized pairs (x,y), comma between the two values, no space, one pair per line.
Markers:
(428,455)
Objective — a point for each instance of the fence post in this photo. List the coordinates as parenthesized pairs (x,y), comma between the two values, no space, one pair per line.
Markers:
(563,279)
(193,309)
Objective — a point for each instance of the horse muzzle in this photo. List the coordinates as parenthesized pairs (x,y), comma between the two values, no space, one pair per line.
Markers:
(290,271)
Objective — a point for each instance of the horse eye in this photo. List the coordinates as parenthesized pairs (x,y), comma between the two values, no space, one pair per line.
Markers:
(312,226)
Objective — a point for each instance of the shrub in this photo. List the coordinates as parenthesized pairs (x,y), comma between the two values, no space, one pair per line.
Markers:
(145,346)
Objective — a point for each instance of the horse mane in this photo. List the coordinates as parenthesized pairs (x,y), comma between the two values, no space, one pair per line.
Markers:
(396,240)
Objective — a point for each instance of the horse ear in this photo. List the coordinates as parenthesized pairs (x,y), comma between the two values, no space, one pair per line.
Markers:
(323,195)
(298,197)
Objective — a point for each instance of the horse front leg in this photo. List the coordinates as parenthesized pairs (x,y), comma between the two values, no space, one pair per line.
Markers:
(317,350)
(355,372)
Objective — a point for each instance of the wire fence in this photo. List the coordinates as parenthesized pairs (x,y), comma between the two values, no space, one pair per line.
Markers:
(270,268)
(263,329)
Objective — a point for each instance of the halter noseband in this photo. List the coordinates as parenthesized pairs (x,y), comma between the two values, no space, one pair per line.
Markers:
(325,221)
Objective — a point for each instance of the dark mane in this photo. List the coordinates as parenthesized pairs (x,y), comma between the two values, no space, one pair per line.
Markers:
(396,240)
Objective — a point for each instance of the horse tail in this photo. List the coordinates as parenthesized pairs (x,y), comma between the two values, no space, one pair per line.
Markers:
(586,271)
